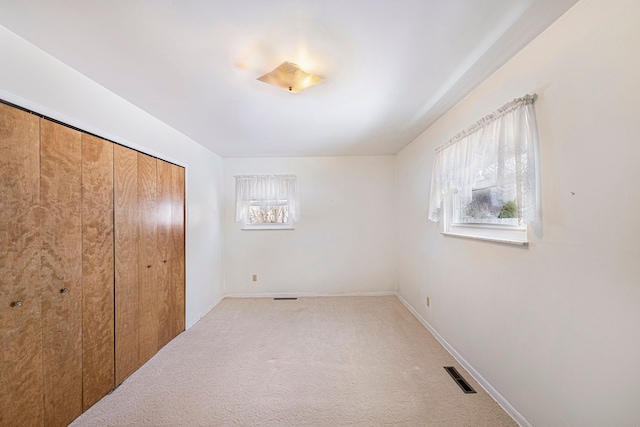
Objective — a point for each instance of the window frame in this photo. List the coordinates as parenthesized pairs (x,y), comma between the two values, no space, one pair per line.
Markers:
(510,133)
(500,233)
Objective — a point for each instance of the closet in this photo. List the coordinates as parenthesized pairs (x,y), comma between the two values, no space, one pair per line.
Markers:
(91,266)
(149,265)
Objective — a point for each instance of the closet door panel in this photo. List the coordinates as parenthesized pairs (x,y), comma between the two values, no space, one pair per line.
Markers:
(177,289)
(148,265)
(97,269)
(61,271)
(21,381)
(164,251)
(126,256)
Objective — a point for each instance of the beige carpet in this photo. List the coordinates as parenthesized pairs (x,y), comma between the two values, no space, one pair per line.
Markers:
(335,361)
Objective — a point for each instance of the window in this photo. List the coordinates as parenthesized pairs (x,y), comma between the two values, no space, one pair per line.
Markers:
(267,202)
(485,180)
(269,214)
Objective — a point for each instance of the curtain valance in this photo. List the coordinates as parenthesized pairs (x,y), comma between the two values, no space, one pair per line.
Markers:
(266,190)
(501,148)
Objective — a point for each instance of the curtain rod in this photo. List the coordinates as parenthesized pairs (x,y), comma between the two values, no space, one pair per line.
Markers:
(507,108)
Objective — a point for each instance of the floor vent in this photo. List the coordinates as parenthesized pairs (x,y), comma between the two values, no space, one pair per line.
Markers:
(464,385)
(284,299)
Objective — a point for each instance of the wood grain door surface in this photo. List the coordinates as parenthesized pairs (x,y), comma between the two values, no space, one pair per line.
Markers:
(125,169)
(147,263)
(92,266)
(21,379)
(61,271)
(171,278)
(164,252)
(98,371)
(177,251)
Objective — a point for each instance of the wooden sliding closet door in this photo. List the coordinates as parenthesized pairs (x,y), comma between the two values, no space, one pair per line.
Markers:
(177,251)
(73,206)
(61,271)
(163,302)
(97,269)
(147,262)
(21,381)
(125,193)
(171,250)
(149,229)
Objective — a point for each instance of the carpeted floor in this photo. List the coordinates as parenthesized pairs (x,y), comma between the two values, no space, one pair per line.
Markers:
(335,361)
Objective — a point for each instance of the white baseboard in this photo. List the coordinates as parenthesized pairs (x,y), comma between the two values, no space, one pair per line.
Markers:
(311,294)
(517,416)
(204,313)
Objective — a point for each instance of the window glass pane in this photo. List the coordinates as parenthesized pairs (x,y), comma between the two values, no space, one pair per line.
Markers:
(278,214)
(487,206)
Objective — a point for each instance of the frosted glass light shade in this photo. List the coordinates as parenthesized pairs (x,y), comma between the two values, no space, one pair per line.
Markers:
(290,77)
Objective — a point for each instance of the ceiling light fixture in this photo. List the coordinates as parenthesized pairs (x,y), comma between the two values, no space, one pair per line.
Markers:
(290,77)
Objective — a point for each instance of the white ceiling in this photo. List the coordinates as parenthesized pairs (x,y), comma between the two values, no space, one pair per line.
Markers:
(391,67)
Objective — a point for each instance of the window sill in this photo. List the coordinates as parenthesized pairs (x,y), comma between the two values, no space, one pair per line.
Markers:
(487,239)
(268,227)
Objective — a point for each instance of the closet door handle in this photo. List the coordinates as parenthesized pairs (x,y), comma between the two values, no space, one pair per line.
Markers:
(17,304)
(149,266)
(64,290)
(165,261)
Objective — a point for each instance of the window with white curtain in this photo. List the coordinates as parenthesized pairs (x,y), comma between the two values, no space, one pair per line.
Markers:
(266,202)
(485,180)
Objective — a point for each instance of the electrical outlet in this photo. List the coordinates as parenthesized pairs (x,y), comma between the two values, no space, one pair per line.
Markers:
(255,277)
(428,302)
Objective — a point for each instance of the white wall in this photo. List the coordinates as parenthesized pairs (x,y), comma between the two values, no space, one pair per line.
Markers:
(344,242)
(33,79)
(554,327)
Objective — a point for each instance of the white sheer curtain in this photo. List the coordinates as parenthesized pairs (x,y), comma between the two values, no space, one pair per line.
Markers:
(500,148)
(266,190)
